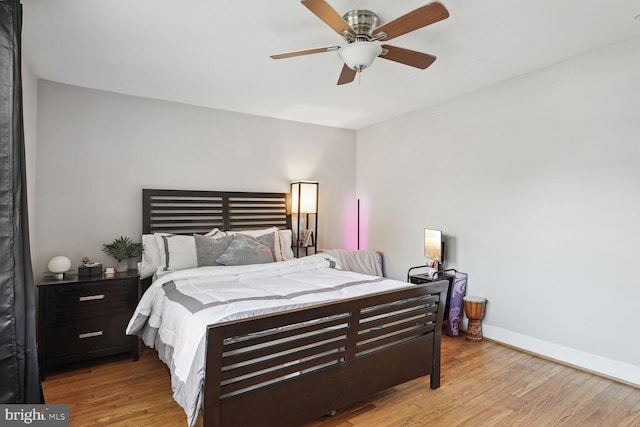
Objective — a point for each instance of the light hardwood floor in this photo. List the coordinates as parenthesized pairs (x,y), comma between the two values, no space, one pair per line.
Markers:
(483,384)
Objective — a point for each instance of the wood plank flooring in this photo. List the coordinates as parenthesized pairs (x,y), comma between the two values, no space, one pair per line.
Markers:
(483,384)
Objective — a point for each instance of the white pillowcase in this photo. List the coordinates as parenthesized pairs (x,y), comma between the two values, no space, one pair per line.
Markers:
(150,256)
(176,252)
(216,233)
(286,241)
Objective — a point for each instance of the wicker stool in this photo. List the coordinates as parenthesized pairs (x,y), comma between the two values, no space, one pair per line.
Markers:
(474,307)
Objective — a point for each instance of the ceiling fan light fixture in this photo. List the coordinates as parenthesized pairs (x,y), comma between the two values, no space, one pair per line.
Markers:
(359,54)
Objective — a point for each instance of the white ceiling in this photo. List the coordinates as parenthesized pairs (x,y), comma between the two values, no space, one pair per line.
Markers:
(215,53)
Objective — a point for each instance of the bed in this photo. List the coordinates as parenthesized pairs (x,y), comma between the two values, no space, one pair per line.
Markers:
(308,339)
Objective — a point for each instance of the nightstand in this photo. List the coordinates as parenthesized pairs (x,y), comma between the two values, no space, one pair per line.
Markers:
(81,319)
(457,288)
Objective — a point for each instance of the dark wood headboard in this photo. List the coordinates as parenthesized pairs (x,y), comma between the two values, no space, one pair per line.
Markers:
(189,212)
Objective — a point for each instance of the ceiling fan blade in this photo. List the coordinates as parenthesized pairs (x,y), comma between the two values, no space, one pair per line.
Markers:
(421,17)
(407,57)
(305,52)
(329,16)
(347,75)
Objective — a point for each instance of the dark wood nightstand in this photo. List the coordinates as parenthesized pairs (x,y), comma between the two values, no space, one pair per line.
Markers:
(80,319)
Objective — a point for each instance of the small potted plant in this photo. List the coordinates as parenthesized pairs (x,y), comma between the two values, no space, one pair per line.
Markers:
(122,249)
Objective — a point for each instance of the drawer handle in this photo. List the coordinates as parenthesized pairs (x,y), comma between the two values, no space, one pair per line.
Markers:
(90,334)
(92,297)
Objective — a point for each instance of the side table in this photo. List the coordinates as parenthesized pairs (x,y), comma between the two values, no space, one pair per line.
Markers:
(80,319)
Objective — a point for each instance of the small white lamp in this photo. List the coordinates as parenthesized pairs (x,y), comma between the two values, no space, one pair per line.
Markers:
(59,265)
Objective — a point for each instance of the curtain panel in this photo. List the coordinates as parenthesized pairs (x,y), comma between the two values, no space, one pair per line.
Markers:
(19,375)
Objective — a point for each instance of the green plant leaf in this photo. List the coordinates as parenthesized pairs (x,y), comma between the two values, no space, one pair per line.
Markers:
(123,248)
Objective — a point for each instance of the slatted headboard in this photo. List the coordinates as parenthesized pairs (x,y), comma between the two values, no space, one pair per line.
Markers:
(189,212)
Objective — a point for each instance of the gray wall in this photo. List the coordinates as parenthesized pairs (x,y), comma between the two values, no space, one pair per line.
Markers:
(535,183)
(96,151)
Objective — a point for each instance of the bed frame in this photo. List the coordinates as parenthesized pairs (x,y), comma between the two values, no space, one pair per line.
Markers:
(288,368)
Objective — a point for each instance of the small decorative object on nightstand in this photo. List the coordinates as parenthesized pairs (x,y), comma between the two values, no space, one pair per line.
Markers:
(80,319)
(89,269)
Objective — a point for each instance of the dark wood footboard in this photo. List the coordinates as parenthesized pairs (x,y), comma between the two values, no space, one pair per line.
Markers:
(292,367)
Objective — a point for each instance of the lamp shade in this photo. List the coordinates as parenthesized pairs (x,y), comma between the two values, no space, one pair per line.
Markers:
(359,55)
(304,197)
(59,264)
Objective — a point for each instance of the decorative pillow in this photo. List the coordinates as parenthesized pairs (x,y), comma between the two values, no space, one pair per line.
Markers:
(277,251)
(282,245)
(245,250)
(269,240)
(150,257)
(286,241)
(176,252)
(209,249)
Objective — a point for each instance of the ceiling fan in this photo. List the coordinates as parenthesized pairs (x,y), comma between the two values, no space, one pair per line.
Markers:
(361,30)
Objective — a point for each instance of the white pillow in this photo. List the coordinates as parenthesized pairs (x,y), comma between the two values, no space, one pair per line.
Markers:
(286,241)
(150,256)
(176,252)
(216,233)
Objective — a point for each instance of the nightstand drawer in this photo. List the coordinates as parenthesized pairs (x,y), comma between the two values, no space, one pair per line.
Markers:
(67,338)
(80,301)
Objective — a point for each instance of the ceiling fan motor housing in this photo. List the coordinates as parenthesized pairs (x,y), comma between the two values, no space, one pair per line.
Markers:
(363,22)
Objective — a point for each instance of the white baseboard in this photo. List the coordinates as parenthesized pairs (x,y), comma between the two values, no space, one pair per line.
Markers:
(607,367)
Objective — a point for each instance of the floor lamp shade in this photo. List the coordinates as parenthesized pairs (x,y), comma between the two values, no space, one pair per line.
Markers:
(304,216)
(304,197)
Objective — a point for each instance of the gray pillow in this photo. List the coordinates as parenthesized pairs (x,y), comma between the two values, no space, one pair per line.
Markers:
(269,240)
(208,249)
(245,250)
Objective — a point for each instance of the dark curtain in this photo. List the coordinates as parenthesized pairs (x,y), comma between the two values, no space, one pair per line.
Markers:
(19,377)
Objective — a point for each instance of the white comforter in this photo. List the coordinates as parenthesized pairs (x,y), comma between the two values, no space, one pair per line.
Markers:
(174,312)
